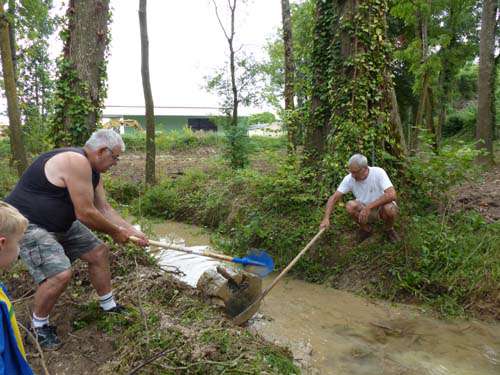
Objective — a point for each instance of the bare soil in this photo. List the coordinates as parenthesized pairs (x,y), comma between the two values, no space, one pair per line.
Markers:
(83,351)
(482,195)
(132,165)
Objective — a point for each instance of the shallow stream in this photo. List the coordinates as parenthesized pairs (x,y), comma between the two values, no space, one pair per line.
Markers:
(334,332)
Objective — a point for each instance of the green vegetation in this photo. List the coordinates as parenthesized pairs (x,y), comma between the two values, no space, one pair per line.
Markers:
(261,118)
(446,259)
(182,140)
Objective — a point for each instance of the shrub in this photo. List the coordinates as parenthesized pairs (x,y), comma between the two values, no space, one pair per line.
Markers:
(261,118)
(179,140)
(8,178)
(429,175)
(122,190)
(461,121)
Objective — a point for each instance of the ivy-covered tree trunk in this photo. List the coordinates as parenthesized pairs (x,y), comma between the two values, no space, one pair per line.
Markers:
(289,75)
(148,96)
(361,89)
(16,142)
(318,125)
(81,87)
(486,83)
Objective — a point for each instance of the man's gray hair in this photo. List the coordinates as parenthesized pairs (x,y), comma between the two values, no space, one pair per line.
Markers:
(107,138)
(359,160)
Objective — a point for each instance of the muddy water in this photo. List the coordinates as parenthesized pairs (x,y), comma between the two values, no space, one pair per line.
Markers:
(334,332)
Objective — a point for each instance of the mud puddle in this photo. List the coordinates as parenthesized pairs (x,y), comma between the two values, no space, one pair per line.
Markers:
(335,332)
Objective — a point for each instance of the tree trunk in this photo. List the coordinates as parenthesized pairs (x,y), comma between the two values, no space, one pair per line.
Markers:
(486,83)
(84,70)
(395,119)
(425,90)
(429,118)
(289,75)
(148,96)
(318,125)
(11,11)
(234,88)
(16,142)
(364,112)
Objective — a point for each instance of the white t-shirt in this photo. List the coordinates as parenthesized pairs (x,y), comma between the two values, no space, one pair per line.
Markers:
(369,189)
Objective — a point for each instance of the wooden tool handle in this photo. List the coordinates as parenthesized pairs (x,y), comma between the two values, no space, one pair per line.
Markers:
(184,249)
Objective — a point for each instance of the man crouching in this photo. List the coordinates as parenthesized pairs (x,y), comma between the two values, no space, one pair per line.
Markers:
(375,198)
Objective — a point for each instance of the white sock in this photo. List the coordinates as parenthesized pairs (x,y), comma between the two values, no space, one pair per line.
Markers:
(107,301)
(38,322)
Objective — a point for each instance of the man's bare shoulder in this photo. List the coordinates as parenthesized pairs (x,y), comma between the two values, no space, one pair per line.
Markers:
(66,165)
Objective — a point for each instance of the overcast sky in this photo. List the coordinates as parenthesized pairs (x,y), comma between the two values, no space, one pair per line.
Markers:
(186,43)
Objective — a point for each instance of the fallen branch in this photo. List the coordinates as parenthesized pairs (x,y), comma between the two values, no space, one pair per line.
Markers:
(139,301)
(25,296)
(34,338)
(150,360)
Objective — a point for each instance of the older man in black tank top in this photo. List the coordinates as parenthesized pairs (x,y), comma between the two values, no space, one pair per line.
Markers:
(62,195)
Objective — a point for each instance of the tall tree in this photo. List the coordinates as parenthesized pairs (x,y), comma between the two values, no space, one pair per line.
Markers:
(148,96)
(81,87)
(229,34)
(34,25)
(318,126)
(360,93)
(458,35)
(289,75)
(486,82)
(434,40)
(242,87)
(425,107)
(302,23)
(16,142)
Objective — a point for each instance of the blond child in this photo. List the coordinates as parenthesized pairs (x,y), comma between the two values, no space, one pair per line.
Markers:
(12,354)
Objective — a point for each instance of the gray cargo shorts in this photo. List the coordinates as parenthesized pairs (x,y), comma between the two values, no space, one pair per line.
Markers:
(47,253)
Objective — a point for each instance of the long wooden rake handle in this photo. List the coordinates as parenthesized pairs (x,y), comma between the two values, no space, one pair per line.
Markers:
(184,249)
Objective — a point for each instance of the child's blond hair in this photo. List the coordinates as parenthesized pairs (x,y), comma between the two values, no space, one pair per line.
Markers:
(11,220)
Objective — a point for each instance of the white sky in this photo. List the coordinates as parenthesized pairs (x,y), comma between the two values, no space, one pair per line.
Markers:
(185,44)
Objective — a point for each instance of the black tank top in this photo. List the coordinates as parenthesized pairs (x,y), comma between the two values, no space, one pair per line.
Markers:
(41,202)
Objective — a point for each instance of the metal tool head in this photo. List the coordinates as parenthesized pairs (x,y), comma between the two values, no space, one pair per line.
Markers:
(258,262)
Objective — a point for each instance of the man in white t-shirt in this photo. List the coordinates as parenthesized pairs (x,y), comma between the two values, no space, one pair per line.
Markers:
(375,198)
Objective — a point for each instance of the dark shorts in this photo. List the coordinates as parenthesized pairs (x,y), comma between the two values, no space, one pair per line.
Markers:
(46,253)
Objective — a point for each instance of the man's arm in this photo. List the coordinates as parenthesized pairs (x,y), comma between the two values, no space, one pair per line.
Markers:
(101,203)
(332,201)
(388,196)
(77,175)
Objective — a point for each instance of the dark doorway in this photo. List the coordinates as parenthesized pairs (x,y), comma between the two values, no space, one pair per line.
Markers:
(201,124)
